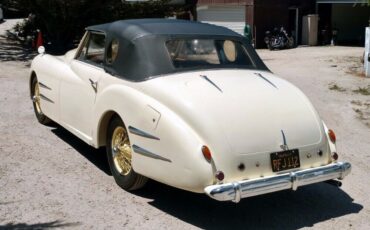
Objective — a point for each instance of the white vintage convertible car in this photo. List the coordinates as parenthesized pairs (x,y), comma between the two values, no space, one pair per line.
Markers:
(187,104)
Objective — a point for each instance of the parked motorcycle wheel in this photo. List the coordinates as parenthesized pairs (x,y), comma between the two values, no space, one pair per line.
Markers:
(291,42)
(269,46)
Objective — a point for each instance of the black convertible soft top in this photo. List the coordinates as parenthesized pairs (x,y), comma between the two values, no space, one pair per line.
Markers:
(142,51)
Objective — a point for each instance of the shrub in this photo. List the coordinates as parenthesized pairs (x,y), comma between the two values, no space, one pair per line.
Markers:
(63,21)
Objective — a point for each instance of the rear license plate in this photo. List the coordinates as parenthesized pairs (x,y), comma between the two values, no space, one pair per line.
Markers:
(285,160)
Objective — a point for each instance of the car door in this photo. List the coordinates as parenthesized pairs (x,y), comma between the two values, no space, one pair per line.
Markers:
(78,92)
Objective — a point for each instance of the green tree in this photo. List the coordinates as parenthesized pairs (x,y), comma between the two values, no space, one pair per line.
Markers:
(63,21)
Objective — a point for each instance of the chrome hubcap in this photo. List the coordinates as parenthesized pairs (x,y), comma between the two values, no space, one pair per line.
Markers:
(36,98)
(121,151)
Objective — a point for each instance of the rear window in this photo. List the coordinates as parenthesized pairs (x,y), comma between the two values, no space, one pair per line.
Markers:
(208,53)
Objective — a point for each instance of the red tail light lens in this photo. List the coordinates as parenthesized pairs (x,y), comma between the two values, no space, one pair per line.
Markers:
(335,156)
(220,175)
(207,153)
(332,136)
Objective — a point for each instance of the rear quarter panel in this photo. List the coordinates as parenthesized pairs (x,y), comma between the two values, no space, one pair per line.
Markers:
(178,142)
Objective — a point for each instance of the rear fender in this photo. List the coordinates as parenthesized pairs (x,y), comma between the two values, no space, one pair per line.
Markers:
(180,162)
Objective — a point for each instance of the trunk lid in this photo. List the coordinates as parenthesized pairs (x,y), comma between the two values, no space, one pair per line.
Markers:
(243,116)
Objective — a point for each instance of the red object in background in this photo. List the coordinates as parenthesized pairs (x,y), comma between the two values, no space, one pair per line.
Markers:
(39,41)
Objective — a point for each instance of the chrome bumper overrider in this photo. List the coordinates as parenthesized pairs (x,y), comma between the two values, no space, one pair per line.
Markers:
(242,189)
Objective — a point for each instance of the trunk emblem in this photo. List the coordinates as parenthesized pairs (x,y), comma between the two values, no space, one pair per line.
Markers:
(284,146)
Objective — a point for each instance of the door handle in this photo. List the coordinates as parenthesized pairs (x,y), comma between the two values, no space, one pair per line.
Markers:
(94,85)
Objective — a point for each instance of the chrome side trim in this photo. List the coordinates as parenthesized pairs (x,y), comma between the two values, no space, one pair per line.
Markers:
(241,189)
(211,82)
(139,132)
(147,153)
(45,98)
(44,86)
(261,76)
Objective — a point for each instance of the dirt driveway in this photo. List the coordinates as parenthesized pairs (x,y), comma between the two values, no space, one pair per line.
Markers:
(50,179)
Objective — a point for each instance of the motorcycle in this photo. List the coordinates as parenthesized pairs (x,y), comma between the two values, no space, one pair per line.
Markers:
(278,39)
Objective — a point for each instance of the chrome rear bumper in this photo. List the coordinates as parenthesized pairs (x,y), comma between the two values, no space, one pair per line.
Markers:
(242,189)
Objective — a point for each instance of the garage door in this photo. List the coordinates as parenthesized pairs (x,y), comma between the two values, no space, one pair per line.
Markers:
(232,17)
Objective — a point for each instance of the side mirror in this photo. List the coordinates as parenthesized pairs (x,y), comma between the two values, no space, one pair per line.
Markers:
(41,50)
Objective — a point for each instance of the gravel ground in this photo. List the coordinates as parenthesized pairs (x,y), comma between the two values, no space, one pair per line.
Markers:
(50,179)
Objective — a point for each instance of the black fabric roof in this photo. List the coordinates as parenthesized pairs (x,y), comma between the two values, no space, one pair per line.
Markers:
(135,28)
(142,53)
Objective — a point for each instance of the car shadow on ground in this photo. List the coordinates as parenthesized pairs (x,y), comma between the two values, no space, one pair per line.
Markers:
(95,156)
(281,210)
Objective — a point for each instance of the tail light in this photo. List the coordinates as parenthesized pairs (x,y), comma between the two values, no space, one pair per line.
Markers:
(332,136)
(334,156)
(207,153)
(220,175)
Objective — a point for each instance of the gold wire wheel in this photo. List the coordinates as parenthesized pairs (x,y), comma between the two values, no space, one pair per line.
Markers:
(36,97)
(121,151)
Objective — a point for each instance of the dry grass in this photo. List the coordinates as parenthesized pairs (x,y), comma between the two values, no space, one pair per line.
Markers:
(335,87)
(363,90)
(352,65)
(362,110)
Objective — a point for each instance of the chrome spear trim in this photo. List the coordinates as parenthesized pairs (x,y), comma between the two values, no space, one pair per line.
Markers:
(211,82)
(44,86)
(147,153)
(261,76)
(45,98)
(139,132)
